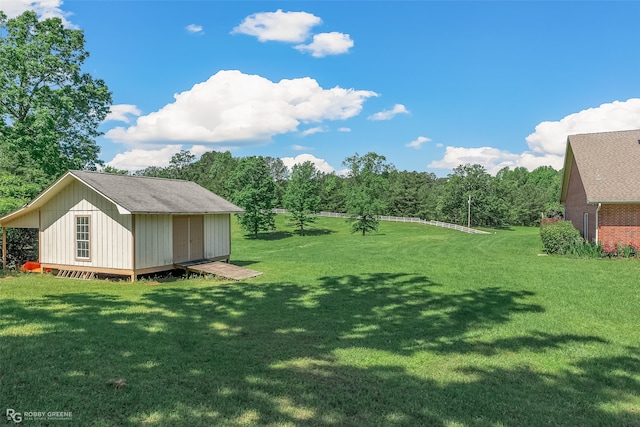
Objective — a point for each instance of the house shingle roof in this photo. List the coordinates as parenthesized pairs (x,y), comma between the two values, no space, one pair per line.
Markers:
(609,165)
(139,194)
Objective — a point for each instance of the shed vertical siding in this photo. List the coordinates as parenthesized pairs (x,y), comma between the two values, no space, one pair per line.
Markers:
(110,232)
(154,241)
(217,236)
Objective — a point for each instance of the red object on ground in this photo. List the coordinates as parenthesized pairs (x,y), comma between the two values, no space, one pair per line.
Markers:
(31,266)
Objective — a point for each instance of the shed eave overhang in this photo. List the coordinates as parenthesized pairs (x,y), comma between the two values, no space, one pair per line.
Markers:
(5,221)
(186,213)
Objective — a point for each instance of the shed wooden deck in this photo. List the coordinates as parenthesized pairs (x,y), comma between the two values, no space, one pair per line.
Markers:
(219,268)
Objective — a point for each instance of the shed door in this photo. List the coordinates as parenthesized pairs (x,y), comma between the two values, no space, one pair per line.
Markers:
(180,238)
(196,237)
(188,238)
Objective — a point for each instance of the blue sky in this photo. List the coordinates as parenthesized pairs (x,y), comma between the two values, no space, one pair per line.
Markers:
(429,85)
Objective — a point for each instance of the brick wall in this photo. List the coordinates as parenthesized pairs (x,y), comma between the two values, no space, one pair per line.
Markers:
(575,206)
(619,224)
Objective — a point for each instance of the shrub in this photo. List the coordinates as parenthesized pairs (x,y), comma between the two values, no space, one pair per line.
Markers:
(560,237)
(627,251)
(588,250)
(599,250)
(546,221)
(22,246)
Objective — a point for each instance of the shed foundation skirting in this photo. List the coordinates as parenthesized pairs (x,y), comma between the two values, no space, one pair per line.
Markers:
(133,274)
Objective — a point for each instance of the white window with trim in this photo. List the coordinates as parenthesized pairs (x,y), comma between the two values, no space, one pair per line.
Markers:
(83,237)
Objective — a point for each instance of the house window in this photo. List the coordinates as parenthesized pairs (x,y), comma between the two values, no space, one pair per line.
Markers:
(585,226)
(82,237)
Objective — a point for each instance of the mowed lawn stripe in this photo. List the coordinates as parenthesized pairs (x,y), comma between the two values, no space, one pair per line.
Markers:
(413,325)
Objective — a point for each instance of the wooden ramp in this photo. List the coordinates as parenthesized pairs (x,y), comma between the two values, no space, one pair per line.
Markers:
(219,268)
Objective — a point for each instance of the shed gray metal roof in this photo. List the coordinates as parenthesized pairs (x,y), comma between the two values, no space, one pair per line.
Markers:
(609,165)
(138,194)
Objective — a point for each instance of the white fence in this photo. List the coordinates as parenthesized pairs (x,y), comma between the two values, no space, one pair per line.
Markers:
(401,219)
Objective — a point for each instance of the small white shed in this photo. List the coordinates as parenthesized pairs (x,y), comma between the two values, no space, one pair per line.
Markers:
(125,225)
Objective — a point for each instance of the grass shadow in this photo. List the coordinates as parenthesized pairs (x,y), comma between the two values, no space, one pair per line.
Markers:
(243,263)
(279,353)
(170,276)
(502,228)
(270,235)
(315,232)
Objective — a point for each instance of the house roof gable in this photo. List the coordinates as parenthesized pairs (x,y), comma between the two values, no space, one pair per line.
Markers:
(609,164)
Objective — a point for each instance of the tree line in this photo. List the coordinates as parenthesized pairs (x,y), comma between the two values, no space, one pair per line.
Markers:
(371,187)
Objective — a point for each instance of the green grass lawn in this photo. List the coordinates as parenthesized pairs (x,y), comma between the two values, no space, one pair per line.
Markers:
(414,325)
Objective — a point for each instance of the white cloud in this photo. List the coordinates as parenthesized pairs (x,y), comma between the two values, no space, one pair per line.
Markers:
(343,129)
(237,108)
(389,114)
(44,8)
(492,159)
(320,164)
(121,112)
(417,143)
(311,131)
(324,44)
(194,29)
(137,159)
(551,137)
(199,150)
(547,144)
(297,147)
(292,27)
(531,161)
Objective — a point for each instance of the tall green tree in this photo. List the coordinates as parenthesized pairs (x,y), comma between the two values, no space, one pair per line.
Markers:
(254,191)
(49,109)
(301,197)
(181,166)
(366,186)
(213,171)
(332,194)
(550,181)
(49,112)
(411,194)
(529,195)
(221,170)
(115,171)
(488,208)
(280,174)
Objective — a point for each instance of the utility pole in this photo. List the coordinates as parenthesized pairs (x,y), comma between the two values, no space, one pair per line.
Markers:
(469,213)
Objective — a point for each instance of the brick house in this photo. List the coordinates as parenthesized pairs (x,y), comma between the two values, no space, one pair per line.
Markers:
(601,186)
